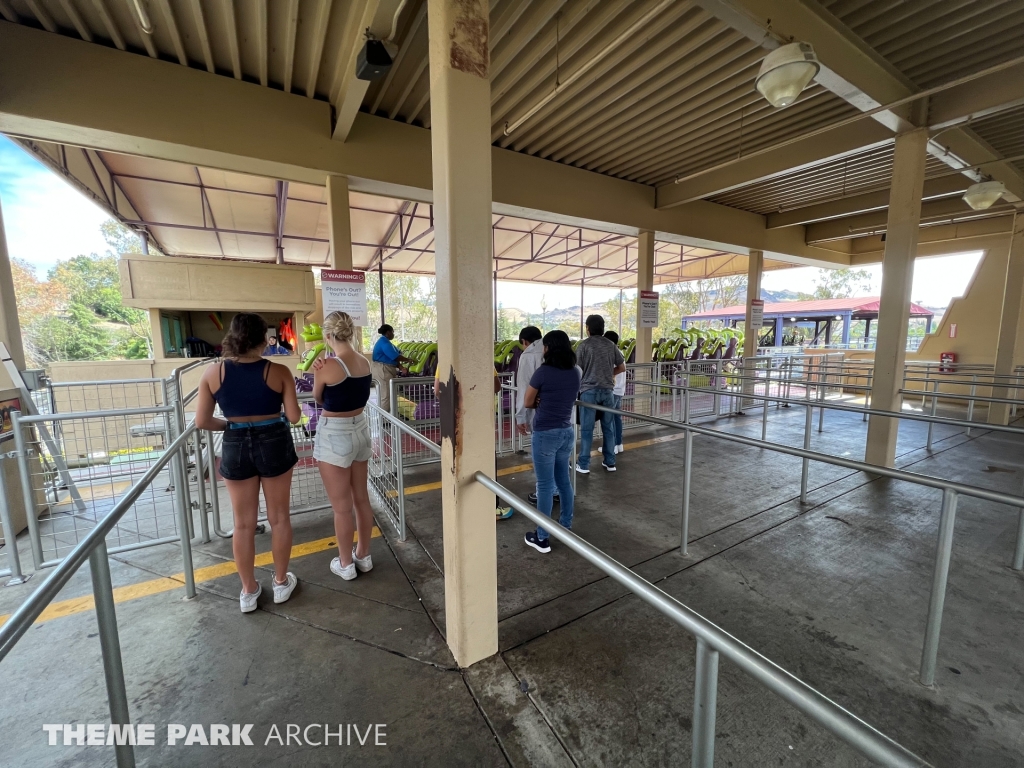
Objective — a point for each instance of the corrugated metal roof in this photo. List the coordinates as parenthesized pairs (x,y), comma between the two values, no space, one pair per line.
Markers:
(1005,133)
(933,41)
(867,305)
(833,180)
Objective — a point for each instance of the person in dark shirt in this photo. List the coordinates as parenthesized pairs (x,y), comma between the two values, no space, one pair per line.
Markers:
(552,392)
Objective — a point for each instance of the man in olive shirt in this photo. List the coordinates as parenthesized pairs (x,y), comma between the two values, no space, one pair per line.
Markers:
(600,360)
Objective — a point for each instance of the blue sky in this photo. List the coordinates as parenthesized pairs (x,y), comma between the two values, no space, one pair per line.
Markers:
(45,219)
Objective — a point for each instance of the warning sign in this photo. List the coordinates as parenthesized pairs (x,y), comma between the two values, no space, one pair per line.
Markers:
(344,291)
(648,309)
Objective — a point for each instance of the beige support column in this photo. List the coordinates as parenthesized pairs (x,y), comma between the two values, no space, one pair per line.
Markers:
(460,116)
(157,330)
(755,270)
(339,222)
(1013,293)
(10,325)
(897,279)
(644,282)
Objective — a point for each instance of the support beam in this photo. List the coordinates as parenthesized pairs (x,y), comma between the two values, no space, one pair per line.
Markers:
(460,138)
(121,102)
(644,282)
(376,16)
(894,305)
(339,224)
(1013,293)
(755,270)
(933,211)
(803,153)
(10,326)
(943,186)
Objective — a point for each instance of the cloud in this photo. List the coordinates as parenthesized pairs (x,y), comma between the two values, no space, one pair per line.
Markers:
(45,218)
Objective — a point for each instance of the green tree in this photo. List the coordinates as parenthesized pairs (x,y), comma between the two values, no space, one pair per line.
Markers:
(841,283)
(77,313)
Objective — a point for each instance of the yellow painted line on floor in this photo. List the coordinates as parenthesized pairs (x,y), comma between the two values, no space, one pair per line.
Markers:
(414,489)
(167,583)
(112,491)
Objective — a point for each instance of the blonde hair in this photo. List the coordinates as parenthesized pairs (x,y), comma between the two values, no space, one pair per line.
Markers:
(338,326)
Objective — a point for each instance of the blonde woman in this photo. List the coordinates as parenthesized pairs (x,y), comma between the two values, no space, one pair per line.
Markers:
(341,386)
(257,451)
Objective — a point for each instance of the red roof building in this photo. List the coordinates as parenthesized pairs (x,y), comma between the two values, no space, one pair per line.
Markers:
(822,312)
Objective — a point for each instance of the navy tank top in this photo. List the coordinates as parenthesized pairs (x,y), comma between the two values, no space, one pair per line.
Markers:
(244,390)
(350,394)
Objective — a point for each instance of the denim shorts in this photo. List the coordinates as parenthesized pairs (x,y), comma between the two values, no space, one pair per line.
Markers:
(341,440)
(266,451)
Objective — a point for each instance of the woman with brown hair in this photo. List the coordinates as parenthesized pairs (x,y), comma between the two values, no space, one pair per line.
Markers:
(341,385)
(258,451)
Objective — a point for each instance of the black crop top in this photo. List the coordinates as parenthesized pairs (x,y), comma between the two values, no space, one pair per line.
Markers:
(244,390)
(349,394)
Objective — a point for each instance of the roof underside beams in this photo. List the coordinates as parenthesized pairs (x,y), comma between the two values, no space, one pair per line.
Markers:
(70,92)
(865,79)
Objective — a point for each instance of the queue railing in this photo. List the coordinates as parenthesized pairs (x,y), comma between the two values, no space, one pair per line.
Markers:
(93,547)
(950,493)
(714,642)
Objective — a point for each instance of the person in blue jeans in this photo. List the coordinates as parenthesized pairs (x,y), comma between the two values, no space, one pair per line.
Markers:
(601,362)
(552,392)
(618,392)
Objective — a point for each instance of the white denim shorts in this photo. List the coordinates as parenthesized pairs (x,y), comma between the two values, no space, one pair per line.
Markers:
(342,440)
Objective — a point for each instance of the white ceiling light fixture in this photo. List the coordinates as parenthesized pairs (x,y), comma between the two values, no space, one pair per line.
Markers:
(984,194)
(785,72)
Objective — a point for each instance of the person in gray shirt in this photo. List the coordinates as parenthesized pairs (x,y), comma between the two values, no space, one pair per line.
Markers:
(600,360)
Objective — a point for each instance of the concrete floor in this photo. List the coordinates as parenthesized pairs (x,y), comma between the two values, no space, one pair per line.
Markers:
(835,591)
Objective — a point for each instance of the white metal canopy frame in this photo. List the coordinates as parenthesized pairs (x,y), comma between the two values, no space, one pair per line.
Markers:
(192,211)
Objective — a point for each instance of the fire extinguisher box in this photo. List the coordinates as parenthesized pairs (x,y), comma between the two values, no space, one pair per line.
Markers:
(947,362)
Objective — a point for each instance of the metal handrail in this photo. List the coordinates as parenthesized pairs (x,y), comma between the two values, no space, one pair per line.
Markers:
(840,407)
(35,419)
(94,549)
(29,611)
(864,738)
(950,493)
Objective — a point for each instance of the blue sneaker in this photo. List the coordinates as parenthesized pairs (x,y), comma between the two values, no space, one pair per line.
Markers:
(541,545)
(502,513)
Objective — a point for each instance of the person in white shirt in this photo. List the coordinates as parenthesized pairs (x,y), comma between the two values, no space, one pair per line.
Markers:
(529,361)
(618,392)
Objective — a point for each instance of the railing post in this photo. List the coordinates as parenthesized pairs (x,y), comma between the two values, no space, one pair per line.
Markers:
(805,463)
(935,404)
(26,490)
(705,701)
(176,474)
(821,395)
(110,648)
(1018,552)
(943,555)
(400,484)
(684,537)
(765,403)
(10,536)
(204,520)
(970,405)
(686,396)
(867,393)
(214,492)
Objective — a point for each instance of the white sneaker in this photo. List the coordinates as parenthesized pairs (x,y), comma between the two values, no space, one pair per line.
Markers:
(619,448)
(609,467)
(347,572)
(364,564)
(581,470)
(283,591)
(248,601)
